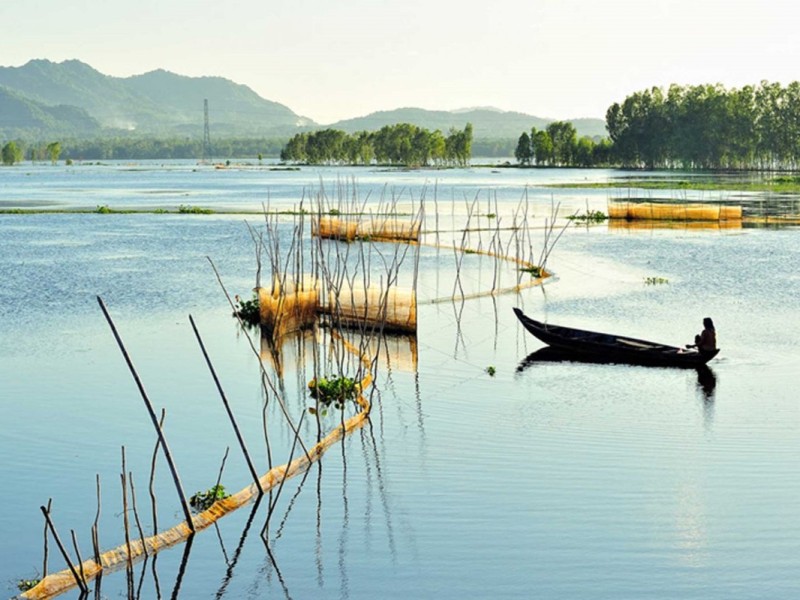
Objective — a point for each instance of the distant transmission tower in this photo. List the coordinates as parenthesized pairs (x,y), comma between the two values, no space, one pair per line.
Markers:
(206,133)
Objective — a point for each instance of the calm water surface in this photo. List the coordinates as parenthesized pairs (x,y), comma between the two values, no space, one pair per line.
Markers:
(551,480)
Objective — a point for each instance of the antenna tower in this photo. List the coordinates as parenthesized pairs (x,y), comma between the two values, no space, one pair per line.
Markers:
(206,133)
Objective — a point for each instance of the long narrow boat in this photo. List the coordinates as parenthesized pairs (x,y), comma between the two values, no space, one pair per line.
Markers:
(607,347)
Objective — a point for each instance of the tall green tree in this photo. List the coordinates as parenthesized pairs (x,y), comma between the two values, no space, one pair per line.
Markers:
(11,153)
(543,148)
(53,151)
(524,151)
(564,138)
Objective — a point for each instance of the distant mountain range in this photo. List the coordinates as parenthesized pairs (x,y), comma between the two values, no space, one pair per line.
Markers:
(43,99)
(487,122)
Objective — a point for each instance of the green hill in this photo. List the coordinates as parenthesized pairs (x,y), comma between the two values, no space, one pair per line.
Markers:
(233,107)
(23,117)
(44,98)
(159,103)
(487,123)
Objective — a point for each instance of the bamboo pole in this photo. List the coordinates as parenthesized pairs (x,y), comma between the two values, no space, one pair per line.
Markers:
(163,440)
(80,582)
(225,403)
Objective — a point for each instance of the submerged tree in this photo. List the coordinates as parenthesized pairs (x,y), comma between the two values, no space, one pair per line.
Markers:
(400,144)
(54,151)
(11,153)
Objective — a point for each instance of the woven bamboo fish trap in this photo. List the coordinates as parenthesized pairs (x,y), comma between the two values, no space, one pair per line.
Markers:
(651,211)
(390,230)
(335,229)
(288,307)
(392,310)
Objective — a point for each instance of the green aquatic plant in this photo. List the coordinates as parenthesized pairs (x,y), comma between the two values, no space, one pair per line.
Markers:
(334,390)
(204,500)
(248,310)
(655,280)
(23,585)
(187,209)
(490,370)
(103,210)
(532,270)
(591,216)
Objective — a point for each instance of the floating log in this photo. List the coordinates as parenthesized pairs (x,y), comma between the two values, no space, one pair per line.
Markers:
(673,212)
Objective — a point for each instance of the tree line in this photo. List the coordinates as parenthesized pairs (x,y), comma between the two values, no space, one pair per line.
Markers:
(558,145)
(141,148)
(400,144)
(708,127)
(13,152)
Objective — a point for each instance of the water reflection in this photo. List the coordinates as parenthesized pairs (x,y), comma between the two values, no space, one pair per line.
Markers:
(182,570)
(706,382)
(232,564)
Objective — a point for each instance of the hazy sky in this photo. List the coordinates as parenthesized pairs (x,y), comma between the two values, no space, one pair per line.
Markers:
(329,59)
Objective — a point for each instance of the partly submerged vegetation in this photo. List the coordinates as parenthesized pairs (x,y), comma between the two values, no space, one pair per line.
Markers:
(334,390)
(204,500)
(248,310)
(590,216)
(655,280)
(23,585)
(402,144)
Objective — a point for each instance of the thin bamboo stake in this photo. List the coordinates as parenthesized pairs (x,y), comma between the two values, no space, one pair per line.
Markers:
(226,404)
(136,513)
(151,487)
(78,554)
(96,525)
(167,454)
(283,481)
(264,376)
(222,468)
(125,521)
(78,580)
(46,549)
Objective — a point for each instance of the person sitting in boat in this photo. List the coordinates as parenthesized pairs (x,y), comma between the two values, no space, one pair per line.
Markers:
(706,340)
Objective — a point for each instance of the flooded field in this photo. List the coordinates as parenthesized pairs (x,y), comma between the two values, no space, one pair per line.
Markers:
(553,480)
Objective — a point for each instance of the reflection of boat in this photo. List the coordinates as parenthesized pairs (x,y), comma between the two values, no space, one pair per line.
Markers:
(604,347)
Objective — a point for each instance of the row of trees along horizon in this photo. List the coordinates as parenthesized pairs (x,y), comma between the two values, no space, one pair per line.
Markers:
(688,127)
(401,144)
(708,127)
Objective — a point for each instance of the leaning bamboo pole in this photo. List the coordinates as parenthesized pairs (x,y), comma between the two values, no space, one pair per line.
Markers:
(62,581)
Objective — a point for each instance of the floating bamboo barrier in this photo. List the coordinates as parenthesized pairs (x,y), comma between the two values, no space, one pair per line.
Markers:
(126,553)
(652,211)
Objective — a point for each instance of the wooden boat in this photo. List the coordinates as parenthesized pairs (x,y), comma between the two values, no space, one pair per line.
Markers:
(605,347)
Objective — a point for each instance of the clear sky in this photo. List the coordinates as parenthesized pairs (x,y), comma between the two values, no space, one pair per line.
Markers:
(335,59)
